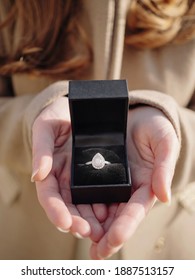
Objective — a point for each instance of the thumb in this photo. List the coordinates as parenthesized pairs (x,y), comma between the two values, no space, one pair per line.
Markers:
(166,156)
(42,150)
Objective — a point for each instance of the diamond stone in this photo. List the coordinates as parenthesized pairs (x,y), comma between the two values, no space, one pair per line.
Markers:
(98,161)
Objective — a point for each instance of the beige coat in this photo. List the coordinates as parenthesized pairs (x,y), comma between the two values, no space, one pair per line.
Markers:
(168,231)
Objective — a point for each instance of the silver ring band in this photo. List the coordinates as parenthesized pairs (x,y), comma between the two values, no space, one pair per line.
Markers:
(98,161)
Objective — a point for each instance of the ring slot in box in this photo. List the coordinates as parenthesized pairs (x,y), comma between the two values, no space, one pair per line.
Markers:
(99,169)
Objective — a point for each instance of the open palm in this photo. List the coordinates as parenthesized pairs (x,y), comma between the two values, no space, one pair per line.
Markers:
(51,164)
(152,151)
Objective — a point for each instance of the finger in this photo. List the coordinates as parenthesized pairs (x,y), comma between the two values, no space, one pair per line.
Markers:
(65,218)
(111,211)
(100,211)
(93,252)
(42,151)
(80,227)
(96,228)
(124,226)
(53,204)
(166,155)
(111,216)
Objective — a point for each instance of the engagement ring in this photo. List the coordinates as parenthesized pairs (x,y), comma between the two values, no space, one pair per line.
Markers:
(98,161)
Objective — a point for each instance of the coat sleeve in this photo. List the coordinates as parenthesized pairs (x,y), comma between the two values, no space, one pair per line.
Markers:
(183,120)
(17,115)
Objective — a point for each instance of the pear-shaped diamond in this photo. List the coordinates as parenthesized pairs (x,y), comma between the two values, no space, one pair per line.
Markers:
(98,161)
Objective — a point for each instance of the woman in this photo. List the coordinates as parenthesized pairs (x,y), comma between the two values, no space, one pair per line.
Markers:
(151,45)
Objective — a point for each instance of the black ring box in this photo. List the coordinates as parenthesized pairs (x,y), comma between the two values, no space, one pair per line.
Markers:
(98,111)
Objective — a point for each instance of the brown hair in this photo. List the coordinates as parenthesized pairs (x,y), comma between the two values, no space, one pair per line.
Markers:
(152,24)
(41,37)
(45,37)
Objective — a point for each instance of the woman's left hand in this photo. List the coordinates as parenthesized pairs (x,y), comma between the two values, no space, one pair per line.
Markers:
(153,149)
(51,173)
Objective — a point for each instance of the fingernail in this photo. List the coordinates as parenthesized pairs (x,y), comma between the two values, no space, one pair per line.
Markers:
(100,257)
(62,230)
(168,203)
(34,175)
(114,251)
(77,235)
(168,197)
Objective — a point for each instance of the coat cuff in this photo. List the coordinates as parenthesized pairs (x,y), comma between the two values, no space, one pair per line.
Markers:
(160,101)
(40,102)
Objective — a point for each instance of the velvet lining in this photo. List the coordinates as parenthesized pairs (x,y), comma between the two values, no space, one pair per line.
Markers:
(113,173)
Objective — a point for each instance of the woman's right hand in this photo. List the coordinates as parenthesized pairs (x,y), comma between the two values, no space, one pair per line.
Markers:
(51,174)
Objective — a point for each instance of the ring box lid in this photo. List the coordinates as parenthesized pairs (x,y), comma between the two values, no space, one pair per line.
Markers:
(98,107)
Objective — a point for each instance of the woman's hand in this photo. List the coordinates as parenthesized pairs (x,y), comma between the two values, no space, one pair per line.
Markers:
(51,173)
(153,149)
